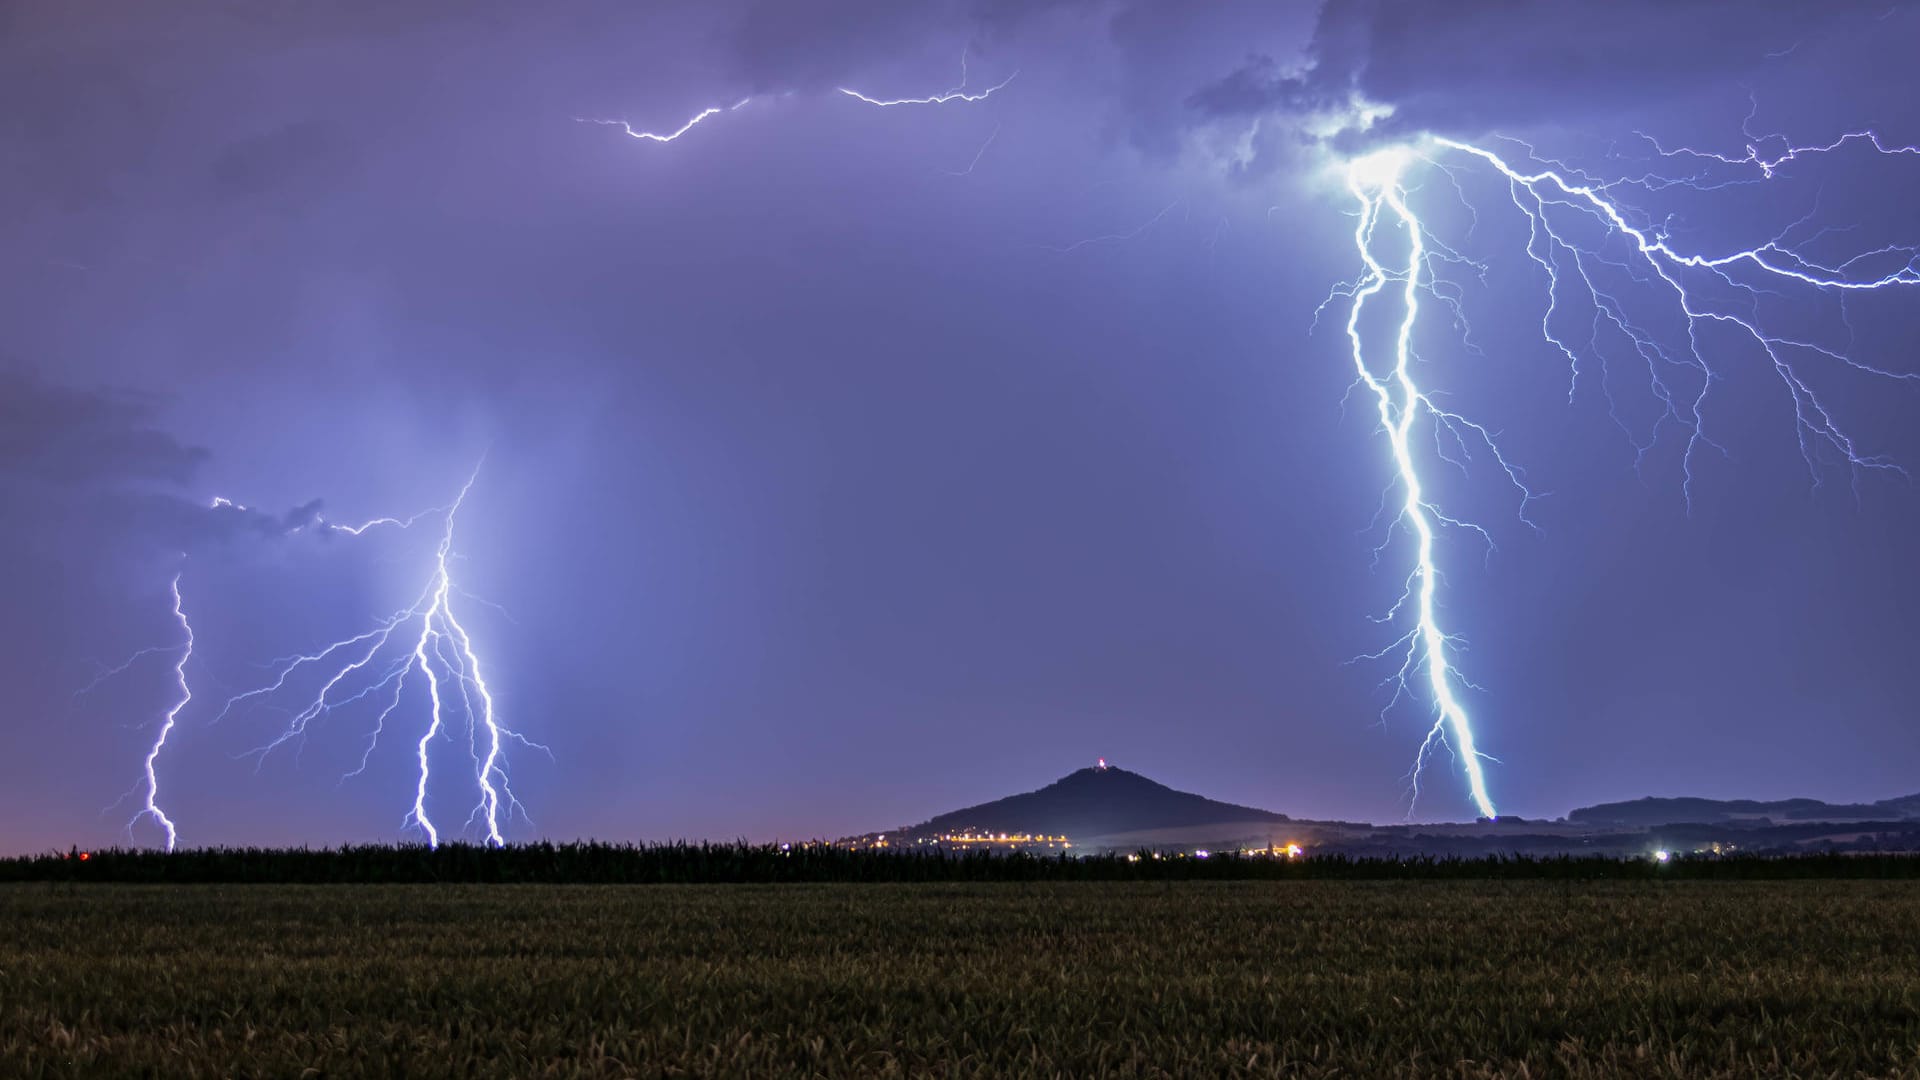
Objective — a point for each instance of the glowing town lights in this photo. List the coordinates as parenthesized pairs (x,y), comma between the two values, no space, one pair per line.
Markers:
(1662,856)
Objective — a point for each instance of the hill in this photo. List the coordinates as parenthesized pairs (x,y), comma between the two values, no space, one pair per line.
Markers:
(1657,811)
(1094,802)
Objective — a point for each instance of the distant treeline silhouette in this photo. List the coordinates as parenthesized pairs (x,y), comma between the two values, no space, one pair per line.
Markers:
(739,863)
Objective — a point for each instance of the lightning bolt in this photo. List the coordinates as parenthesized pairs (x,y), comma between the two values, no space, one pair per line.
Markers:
(379,522)
(956,93)
(321,524)
(1586,243)
(1375,184)
(149,784)
(665,137)
(443,653)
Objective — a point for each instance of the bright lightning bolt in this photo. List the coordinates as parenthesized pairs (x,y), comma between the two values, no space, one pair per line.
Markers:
(321,524)
(653,136)
(465,667)
(1375,183)
(957,93)
(379,522)
(149,786)
(363,666)
(1565,210)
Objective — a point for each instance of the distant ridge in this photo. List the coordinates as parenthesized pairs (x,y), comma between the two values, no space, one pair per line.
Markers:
(1094,802)
(1674,811)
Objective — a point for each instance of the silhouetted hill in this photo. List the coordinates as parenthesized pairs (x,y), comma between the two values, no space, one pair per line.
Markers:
(1095,802)
(1655,811)
(1907,806)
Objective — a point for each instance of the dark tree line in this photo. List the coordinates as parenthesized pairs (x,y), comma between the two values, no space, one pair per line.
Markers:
(685,863)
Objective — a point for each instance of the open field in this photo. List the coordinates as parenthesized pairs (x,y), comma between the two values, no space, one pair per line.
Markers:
(1307,978)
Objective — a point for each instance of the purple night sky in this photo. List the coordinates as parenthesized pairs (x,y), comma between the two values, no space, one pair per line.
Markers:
(844,464)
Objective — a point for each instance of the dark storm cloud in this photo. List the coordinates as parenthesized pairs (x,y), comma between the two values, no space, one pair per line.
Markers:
(1480,65)
(90,469)
(63,436)
(1167,49)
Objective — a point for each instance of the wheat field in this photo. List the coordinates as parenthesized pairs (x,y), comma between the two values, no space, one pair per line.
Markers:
(1290,978)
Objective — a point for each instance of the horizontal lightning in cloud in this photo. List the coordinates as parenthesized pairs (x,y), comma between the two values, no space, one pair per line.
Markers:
(958,93)
(666,137)
(321,524)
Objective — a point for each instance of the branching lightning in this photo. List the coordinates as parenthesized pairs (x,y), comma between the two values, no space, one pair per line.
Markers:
(1591,248)
(956,93)
(1375,183)
(151,805)
(443,652)
(147,789)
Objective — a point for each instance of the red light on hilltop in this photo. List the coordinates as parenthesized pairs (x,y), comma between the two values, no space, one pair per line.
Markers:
(85,855)
(1103,763)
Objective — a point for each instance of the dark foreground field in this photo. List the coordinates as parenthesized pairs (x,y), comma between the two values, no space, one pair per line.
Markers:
(1311,978)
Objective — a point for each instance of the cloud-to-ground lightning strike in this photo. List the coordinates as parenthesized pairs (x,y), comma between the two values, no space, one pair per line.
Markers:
(1375,184)
(148,787)
(362,666)
(1580,270)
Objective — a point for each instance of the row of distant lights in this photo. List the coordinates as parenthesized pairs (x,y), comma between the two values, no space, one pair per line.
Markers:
(1291,851)
(1294,851)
